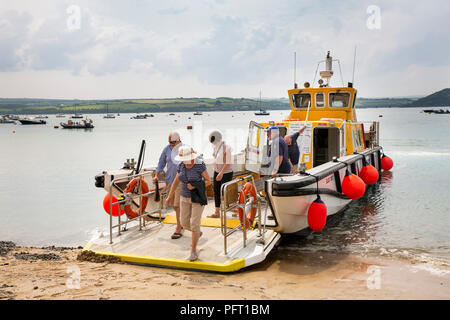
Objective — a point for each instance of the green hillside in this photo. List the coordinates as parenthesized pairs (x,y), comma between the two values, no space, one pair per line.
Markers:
(52,106)
(46,106)
(437,99)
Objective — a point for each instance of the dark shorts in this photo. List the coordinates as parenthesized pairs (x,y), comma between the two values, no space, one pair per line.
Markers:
(218,184)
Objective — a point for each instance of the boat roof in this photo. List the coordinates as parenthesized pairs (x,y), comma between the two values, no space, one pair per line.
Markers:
(323,102)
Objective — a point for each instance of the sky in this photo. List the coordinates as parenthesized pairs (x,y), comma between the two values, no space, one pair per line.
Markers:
(111,49)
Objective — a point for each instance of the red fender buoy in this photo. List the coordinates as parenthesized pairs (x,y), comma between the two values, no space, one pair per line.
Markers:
(369,174)
(386,163)
(317,215)
(115,209)
(353,187)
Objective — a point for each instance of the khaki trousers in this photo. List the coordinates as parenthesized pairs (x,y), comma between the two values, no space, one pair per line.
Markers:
(190,214)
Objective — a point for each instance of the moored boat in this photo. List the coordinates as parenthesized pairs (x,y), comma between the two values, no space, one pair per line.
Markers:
(84,124)
(108,115)
(261,111)
(6,119)
(438,111)
(31,121)
(140,116)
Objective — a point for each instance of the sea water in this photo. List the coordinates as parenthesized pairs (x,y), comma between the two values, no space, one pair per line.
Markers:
(48,197)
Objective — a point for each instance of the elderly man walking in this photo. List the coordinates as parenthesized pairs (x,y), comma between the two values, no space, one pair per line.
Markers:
(167,159)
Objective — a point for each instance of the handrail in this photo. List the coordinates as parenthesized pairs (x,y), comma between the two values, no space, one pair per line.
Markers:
(130,198)
(223,211)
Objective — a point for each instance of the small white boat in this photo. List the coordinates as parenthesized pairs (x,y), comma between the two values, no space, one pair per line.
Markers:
(108,115)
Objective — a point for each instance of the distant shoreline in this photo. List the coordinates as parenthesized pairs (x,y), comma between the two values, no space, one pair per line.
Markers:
(90,112)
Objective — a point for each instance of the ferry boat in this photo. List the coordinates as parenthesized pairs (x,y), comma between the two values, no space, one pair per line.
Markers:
(339,155)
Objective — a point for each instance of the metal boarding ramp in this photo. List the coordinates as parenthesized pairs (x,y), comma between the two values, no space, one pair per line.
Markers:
(224,246)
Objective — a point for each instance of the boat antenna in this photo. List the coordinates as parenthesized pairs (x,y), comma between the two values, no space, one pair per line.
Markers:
(340,71)
(295,70)
(354,62)
(315,74)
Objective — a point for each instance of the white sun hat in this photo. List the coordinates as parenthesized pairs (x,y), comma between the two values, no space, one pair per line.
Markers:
(186,153)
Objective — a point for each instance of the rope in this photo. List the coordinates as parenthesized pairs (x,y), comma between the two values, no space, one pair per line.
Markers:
(317,180)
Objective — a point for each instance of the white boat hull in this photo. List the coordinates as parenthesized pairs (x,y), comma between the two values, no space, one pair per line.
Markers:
(290,204)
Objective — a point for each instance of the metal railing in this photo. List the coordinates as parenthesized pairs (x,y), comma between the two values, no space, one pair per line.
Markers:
(373,133)
(224,209)
(129,199)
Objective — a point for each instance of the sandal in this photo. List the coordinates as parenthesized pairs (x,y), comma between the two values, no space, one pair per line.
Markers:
(177,235)
(214,216)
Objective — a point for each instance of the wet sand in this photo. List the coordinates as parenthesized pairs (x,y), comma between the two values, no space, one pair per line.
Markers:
(51,273)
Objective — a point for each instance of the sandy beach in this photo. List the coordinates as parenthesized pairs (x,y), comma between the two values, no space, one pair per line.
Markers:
(53,273)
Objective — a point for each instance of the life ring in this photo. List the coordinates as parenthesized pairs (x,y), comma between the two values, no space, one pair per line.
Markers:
(130,186)
(248,187)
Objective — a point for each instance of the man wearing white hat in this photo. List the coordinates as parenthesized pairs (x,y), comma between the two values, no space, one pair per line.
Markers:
(191,171)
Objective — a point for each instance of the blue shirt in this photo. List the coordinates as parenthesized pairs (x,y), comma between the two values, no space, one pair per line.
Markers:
(168,158)
(278,144)
(293,151)
(189,175)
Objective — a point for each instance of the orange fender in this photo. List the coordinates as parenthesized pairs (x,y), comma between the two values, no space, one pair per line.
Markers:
(248,188)
(130,186)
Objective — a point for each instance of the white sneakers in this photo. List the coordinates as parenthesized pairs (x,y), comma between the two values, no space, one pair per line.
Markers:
(193,256)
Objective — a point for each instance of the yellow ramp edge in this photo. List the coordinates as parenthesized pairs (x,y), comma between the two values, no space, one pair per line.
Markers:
(205,222)
(230,266)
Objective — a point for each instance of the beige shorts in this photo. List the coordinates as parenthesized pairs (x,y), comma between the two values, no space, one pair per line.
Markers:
(191,215)
(176,198)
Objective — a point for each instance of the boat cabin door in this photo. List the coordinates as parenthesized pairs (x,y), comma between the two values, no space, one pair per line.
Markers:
(326,144)
(255,149)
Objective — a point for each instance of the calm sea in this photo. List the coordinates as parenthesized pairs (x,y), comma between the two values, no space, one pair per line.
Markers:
(48,197)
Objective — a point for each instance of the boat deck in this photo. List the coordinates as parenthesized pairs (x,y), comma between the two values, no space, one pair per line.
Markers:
(152,245)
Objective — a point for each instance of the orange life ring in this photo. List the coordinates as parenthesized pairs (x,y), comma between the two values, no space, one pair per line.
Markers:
(248,187)
(130,186)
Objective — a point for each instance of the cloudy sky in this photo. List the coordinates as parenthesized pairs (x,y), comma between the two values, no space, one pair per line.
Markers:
(104,49)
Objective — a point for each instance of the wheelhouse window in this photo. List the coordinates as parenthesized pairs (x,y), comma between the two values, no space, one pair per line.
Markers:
(301,100)
(320,100)
(339,99)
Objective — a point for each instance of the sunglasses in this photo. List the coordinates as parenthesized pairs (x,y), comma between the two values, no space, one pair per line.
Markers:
(173,142)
